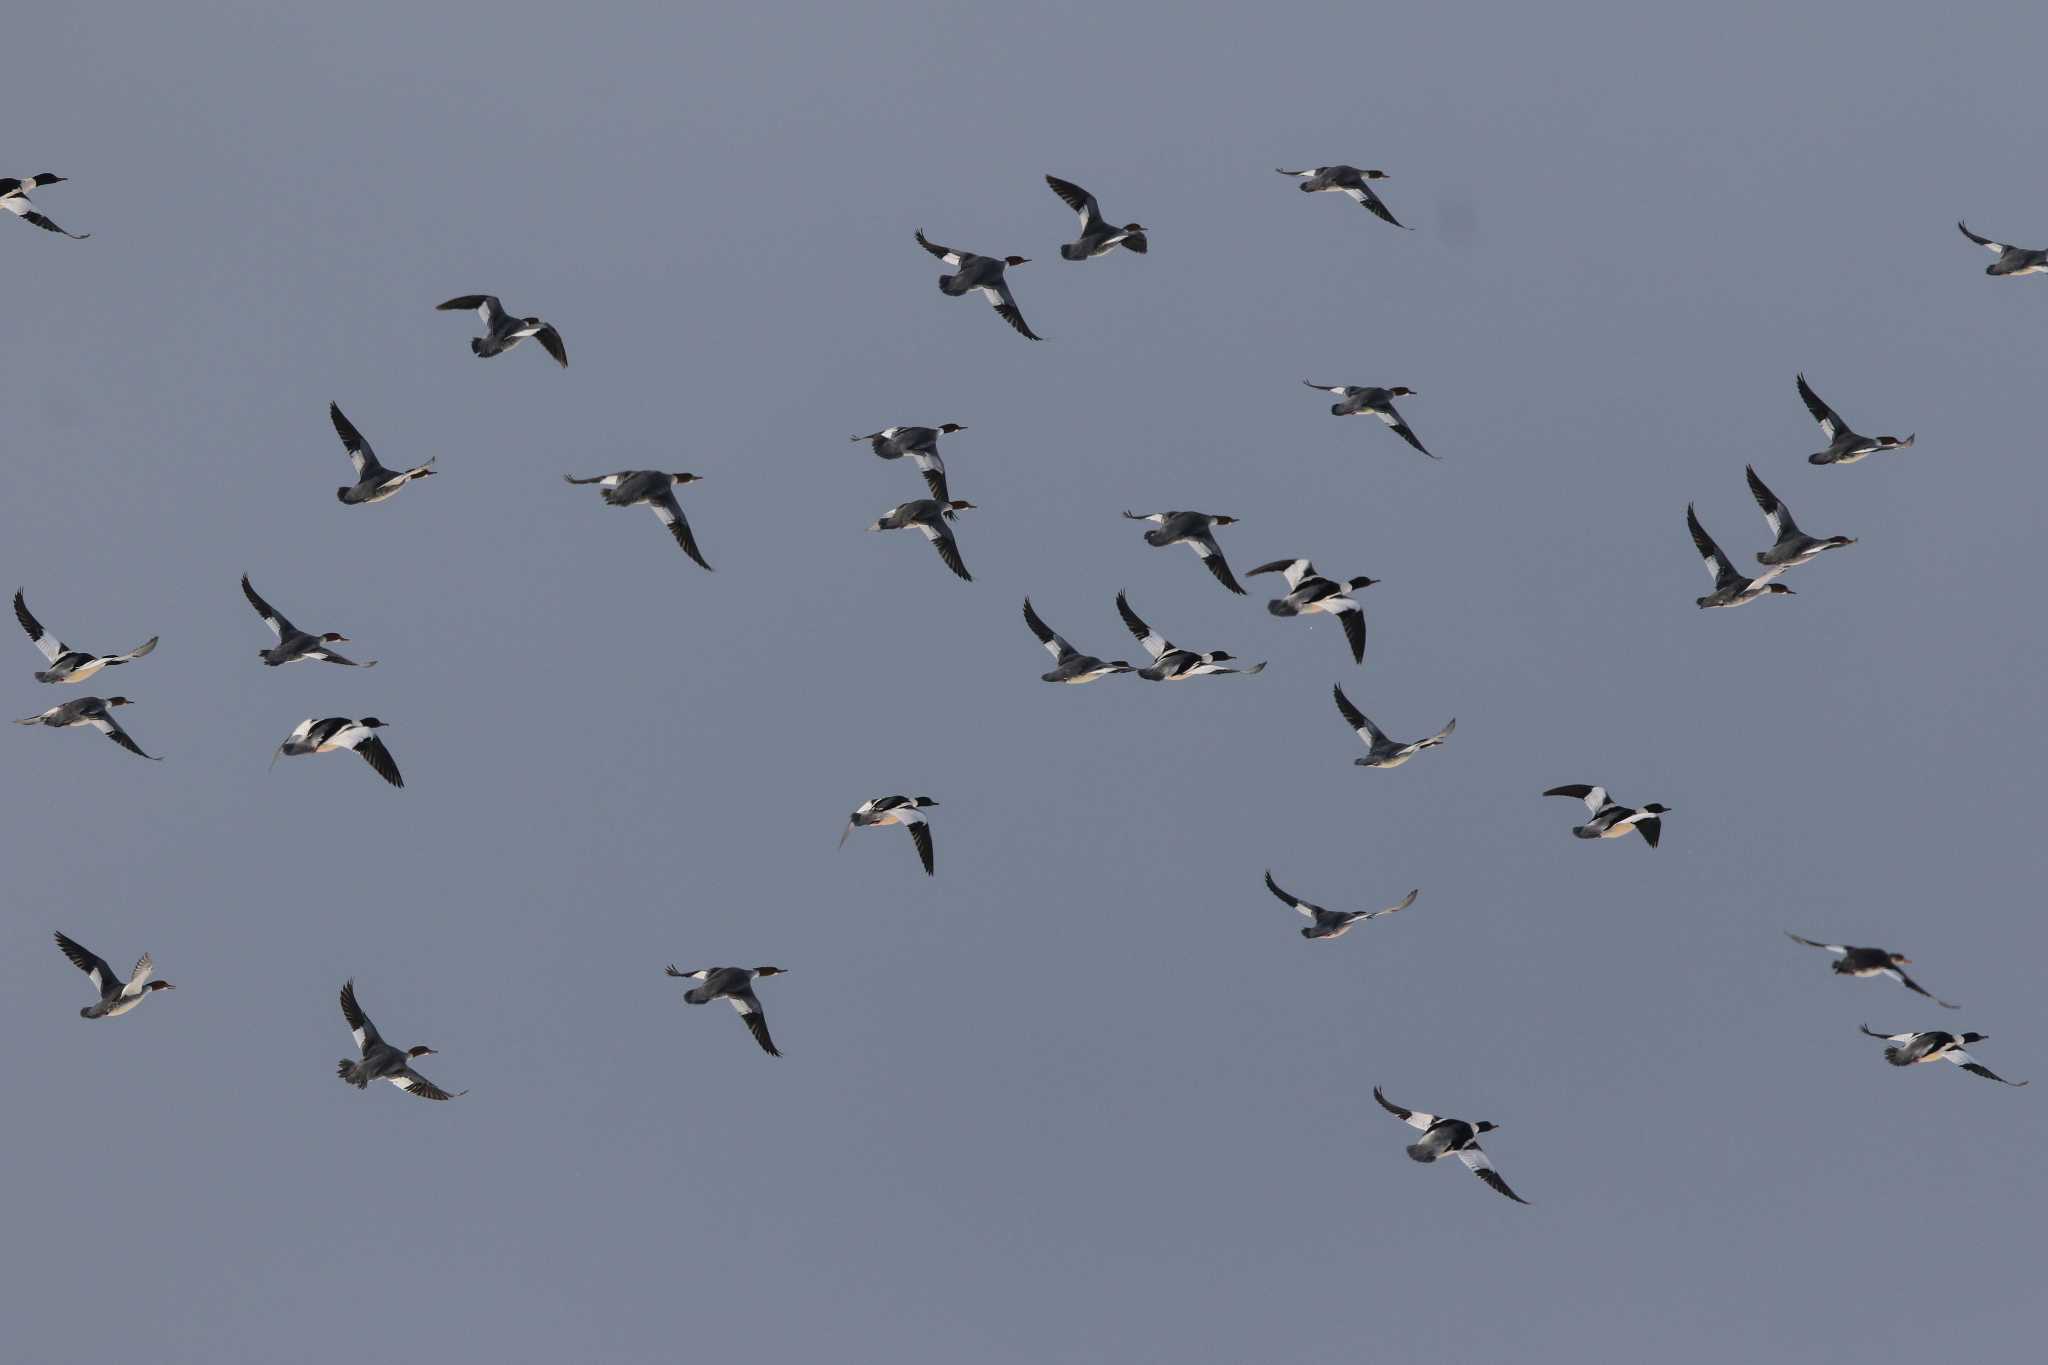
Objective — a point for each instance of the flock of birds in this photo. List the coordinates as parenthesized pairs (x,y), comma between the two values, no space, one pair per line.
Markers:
(1309,593)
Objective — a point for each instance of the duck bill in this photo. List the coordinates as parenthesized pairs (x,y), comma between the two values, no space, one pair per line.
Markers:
(844,833)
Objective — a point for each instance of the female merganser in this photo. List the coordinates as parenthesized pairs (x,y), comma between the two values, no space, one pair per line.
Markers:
(1197,531)
(1611,819)
(1381,751)
(339,732)
(1334,923)
(502,331)
(1354,400)
(1070,665)
(921,444)
(1844,445)
(381,1061)
(1098,236)
(1449,1137)
(929,516)
(1793,546)
(650,488)
(1170,663)
(1861,962)
(1347,180)
(294,644)
(90,711)
(117,996)
(2012,260)
(1731,589)
(984,273)
(1308,593)
(374,482)
(1936,1046)
(14,198)
(735,984)
(68,665)
(907,811)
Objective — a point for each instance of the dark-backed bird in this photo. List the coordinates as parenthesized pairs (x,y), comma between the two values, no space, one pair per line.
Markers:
(14,198)
(1197,531)
(1098,235)
(921,446)
(1356,400)
(68,665)
(1732,588)
(294,644)
(734,984)
(1382,752)
(1346,180)
(1844,445)
(1070,665)
(374,482)
(381,1061)
(92,711)
(118,994)
(1334,923)
(502,331)
(1910,1049)
(1171,663)
(1864,962)
(2012,260)
(1793,546)
(652,489)
(983,273)
(1443,1137)
(929,517)
(1610,819)
(908,811)
(338,733)
(1310,594)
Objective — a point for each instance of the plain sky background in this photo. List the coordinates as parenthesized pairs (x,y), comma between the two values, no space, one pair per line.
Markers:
(1086,1095)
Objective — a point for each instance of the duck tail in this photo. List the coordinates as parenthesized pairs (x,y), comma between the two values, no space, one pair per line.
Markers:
(1336,409)
(1418,1152)
(696,995)
(1897,1057)
(1280,606)
(1070,252)
(342,1069)
(946,284)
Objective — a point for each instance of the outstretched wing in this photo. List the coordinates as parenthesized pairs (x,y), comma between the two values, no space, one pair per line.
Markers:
(757,1022)
(1910,984)
(1414,1118)
(1355,718)
(1155,645)
(52,647)
(486,305)
(1594,797)
(551,342)
(271,616)
(1480,1165)
(1775,515)
(1364,195)
(412,1083)
(671,515)
(1984,242)
(1406,901)
(1402,429)
(92,964)
(944,253)
(921,836)
(359,1024)
(1054,643)
(1293,569)
(1077,199)
(359,452)
(1830,424)
(1305,907)
(111,728)
(941,537)
(1836,948)
(1717,563)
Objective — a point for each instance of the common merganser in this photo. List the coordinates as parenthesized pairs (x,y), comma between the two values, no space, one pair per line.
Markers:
(117,995)
(1443,1137)
(1170,663)
(1862,962)
(1355,400)
(907,811)
(928,517)
(1098,236)
(1731,588)
(294,644)
(1348,180)
(654,489)
(339,732)
(1382,752)
(1334,923)
(502,331)
(1935,1046)
(1844,445)
(1197,531)
(1793,546)
(734,984)
(91,711)
(921,445)
(374,482)
(2012,260)
(1611,819)
(380,1060)
(14,198)
(68,665)
(1070,665)
(1309,593)
(984,273)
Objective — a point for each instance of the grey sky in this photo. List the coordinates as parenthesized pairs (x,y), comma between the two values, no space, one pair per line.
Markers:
(1086,1095)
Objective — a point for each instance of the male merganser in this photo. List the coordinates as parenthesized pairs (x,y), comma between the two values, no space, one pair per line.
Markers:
(1861,962)
(650,488)
(294,644)
(117,996)
(14,198)
(68,665)
(1731,589)
(90,711)
(1347,180)
(1936,1046)
(735,984)
(921,444)
(339,732)
(2012,260)
(907,811)
(984,273)
(1449,1137)
(1170,663)
(502,331)
(1197,531)
(1098,236)
(1382,752)
(1355,400)
(374,482)
(1844,445)
(1070,665)
(381,1061)
(1793,546)
(929,516)
(1334,923)
(1611,819)
(1309,593)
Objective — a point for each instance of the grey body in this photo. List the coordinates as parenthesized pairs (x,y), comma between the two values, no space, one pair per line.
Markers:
(931,519)
(2012,260)
(1793,546)
(14,199)
(984,275)
(1327,924)
(117,995)
(1365,400)
(1845,446)
(1350,181)
(735,985)
(1197,531)
(653,489)
(1934,1045)
(908,811)
(1442,1137)
(1098,236)
(1869,962)
(95,712)
(374,482)
(336,733)
(1070,665)
(502,331)
(1732,588)
(1170,663)
(294,645)
(1382,752)
(1610,819)
(68,665)
(380,1061)
(921,446)
(1311,594)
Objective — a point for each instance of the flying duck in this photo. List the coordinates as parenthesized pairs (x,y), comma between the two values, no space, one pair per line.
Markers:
(650,488)
(1611,819)
(89,711)
(907,811)
(381,1061)
(984,273)
(1197,531)
(1793,546)
(339,732)
(1731,589)
(1170,663)
(502,331)
(117,996)
(929,516)
(1346,180)
(1334,923)
(1936,1046)
(1381,751)
(68,665)
(1308,593)
(374,482)
(921,444)
(1844,445)
(735,984)
(2012,260)
(1098,236)
(14,198)
(1861,962)
(294,644)
(1354,400)
(1449,1137)
(1070,665)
